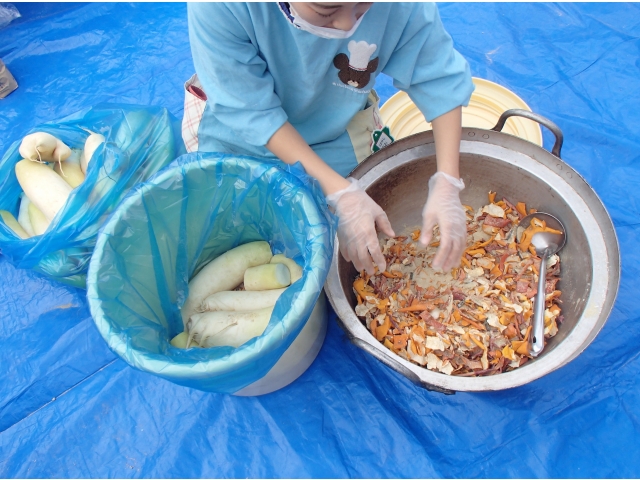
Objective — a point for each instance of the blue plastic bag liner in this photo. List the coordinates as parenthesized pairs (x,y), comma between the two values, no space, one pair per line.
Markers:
(139,141)
(171,226)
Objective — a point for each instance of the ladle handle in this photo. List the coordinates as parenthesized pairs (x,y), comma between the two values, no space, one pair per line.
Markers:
(537,343)
(518,112)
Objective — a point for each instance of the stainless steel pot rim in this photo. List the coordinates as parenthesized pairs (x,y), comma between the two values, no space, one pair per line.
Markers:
(583,332)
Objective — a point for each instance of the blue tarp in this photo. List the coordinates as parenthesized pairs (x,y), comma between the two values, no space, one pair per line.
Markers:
(70,408)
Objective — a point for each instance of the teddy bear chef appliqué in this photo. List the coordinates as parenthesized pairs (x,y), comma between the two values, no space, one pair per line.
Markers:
(356,69)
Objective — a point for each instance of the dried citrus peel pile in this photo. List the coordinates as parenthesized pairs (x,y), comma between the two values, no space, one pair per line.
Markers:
(471,321)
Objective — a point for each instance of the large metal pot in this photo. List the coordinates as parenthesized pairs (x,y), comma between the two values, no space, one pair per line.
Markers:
(396,177)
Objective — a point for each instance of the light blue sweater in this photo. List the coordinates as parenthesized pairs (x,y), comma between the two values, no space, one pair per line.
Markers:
(258,71)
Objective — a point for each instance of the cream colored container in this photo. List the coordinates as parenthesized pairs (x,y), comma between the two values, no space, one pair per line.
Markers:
(488,102)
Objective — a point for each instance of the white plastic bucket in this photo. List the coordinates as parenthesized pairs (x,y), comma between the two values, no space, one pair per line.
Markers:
(297,358)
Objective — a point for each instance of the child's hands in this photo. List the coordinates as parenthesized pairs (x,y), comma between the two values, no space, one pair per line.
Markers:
(444,208)
(358,215)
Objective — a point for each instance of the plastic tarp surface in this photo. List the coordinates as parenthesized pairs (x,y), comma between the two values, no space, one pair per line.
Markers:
(70,408)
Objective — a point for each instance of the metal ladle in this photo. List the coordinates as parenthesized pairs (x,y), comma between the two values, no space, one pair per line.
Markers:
(545,244)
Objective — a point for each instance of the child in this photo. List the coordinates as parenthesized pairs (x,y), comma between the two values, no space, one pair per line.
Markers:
(294,81)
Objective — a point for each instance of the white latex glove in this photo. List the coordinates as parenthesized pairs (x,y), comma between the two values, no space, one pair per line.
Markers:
(358,216)
(444,208)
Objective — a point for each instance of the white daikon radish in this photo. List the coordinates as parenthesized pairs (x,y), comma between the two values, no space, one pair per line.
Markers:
(92,142)
(294,269)
(39,222)
(225,272)
(180,341)
(267,277)
(43,147)
(61,153)
(23,215)
(215,329)
(38,146)
(44,187)
(240,301)
(11,222)
(71,171)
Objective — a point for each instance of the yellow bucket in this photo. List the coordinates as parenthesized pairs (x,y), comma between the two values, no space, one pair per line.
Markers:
(488,101)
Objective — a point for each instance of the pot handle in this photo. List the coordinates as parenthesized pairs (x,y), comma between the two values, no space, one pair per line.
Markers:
(517,112)
(398,367)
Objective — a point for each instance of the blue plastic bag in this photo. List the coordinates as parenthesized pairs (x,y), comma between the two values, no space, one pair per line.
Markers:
(8,13)
(169,227)
(139,141)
